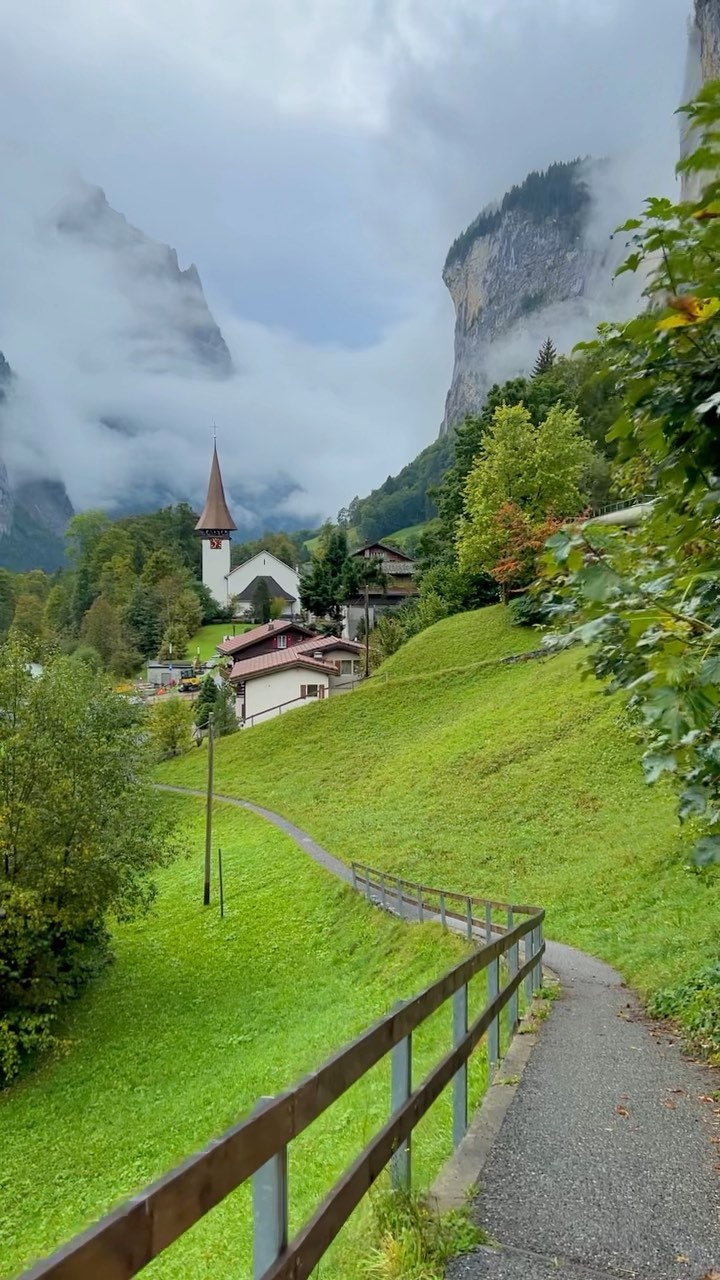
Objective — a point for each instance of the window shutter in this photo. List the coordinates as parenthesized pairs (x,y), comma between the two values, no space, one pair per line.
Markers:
(303,691)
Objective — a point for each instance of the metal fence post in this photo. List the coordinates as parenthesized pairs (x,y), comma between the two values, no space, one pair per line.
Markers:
(270,1211)
(400,1090)
(401,900)
(420,903)
(443,919)
(493,1035)
(354,876)
(488,922)
(539,944)
(460,1080)
(469,919)
(368,893)
(383,895)
(529,952)
(513,968)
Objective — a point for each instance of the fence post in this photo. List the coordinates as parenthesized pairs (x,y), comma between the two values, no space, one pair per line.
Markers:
(493,1035)
(460,1089)
(401,900)
(529,953)
(469,919)
(383,895)
(270,1211)
(368,893)
(443,919)
(400,1090)
(488,922)
(354,876)
(420,903)
(513,968)
(538,946)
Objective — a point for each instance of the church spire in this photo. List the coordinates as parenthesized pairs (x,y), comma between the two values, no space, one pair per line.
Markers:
(215,516)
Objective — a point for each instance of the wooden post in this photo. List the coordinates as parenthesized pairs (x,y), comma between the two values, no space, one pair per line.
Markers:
(208,813)
(367,630)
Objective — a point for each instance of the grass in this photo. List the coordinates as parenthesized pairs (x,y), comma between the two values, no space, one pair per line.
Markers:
(410,532)
(197,1019)
(205,641)
(517,782)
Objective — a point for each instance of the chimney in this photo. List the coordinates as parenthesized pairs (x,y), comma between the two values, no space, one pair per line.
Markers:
(271,626)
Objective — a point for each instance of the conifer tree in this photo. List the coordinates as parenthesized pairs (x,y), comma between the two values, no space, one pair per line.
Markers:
(547,355)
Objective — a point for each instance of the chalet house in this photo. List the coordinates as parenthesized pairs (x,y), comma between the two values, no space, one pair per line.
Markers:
(282,664)
(399,570)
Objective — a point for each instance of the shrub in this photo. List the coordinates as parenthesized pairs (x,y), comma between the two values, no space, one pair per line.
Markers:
(528,611)
(80,832)
(171,718)
(695,1006)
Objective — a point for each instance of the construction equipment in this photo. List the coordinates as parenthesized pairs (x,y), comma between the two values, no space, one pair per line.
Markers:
(189,682)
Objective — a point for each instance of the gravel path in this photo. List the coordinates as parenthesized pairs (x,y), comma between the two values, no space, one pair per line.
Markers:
(607,1161)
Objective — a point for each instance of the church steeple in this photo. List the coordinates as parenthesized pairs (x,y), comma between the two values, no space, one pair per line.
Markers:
(215,517)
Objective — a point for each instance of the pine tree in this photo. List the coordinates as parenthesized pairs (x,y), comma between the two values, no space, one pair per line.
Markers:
(547,355)
(261,602)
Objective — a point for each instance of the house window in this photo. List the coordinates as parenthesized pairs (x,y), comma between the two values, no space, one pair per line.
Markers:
(282,642)
(312,691)
(346,668)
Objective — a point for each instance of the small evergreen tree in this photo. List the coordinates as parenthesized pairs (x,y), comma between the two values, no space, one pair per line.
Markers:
(546,357)
(261,602)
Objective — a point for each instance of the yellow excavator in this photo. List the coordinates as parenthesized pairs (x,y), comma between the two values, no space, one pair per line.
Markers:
(189,682)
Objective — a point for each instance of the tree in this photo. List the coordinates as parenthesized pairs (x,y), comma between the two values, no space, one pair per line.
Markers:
(101,629)
(7,600)
(369,573)
(174,644)
(277,607)
(71,752)
(647,602)
(28,625)
(82,534)
(261,602)
(546,357)
(218,699)
(170,724)
(515,540)
(537,469)
(141,615)
(331,579)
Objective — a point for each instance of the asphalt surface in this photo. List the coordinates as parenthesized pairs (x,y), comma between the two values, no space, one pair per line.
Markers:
(604,1163)
(608,1161)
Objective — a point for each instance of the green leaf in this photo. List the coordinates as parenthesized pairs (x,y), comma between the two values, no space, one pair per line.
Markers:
(707,851)
(693,802)
(560,544)
(656,764)
(597,582)
(709,672)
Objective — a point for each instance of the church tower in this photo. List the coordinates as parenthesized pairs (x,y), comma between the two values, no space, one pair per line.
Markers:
(214,527)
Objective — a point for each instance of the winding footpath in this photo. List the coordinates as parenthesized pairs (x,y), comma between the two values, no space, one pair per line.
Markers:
(608,1161)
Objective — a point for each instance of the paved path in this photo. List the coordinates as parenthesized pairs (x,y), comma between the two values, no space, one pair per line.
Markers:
(607,1162)
(604,1164)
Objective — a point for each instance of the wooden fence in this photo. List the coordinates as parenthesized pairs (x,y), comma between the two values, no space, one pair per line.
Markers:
(126,1240)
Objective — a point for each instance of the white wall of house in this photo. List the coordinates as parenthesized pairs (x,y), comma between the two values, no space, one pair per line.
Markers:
(216,567)
(267,691)
(349,665)
(266,564)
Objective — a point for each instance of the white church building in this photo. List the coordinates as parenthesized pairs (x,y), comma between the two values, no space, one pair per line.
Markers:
(237,587)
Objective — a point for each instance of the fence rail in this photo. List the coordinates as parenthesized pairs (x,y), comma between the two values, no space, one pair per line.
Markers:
(125,1241)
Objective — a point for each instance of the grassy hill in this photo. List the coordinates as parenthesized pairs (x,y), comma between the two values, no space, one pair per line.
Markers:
(514,781)
(197,1019)
(205,641)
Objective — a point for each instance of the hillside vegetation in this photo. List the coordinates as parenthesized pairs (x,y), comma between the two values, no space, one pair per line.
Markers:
(513,781)
(197,1019)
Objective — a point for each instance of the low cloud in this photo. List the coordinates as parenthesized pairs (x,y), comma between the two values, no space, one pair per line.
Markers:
(316,165)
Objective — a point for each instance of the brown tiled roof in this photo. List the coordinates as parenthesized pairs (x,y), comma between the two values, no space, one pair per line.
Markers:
(269,662)
(236,643)
(215,514)
(327,642)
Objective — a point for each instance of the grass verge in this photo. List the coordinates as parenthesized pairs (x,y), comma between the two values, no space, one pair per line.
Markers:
(197,1019)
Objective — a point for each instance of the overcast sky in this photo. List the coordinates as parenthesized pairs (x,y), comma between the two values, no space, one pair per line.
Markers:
(315,158)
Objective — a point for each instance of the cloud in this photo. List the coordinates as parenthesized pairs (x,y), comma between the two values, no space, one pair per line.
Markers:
(315,160)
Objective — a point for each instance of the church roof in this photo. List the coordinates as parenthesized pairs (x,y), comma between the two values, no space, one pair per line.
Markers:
(275,591)
(215,514)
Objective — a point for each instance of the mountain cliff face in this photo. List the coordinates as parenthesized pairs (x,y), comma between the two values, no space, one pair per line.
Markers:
(703,63)
(511,263)
(150,316)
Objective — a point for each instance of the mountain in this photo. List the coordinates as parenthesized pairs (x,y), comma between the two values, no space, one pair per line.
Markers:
(145,314)
(516,259)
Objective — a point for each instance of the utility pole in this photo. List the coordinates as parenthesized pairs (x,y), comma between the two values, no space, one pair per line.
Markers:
(208,814)
(367,630)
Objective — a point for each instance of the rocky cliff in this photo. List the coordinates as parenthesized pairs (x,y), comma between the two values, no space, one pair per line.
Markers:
(512,263)
(152,317)
(703,63)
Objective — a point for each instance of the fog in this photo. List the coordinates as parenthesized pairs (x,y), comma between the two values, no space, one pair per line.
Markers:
(315,161)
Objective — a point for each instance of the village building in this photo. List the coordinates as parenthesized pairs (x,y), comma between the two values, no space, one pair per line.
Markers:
(283,664)
(399,570)
(237,587)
